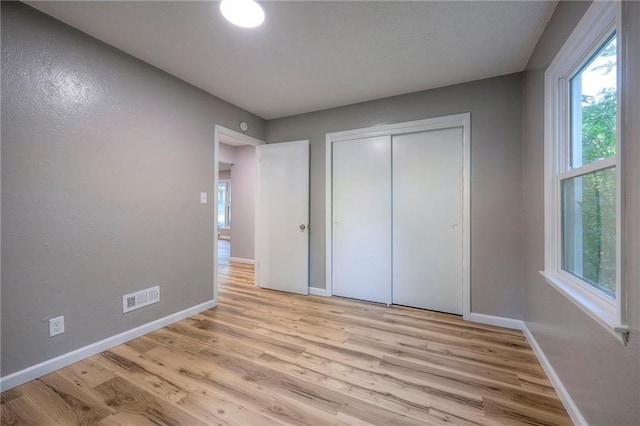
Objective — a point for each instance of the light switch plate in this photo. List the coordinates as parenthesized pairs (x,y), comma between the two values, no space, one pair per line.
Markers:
(203,198)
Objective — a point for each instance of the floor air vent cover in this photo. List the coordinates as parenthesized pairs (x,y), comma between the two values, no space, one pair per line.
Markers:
(139,299)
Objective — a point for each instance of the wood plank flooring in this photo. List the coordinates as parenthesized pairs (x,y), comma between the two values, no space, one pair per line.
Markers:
(269,358)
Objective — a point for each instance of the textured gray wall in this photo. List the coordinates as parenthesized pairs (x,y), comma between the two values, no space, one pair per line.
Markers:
(103,161)
(602,376)
(243,198)
(496,178)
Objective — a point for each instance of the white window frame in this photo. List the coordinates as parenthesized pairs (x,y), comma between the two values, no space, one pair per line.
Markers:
(227,204)
(597,25)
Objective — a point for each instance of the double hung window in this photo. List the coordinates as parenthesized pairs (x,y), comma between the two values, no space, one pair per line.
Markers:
(582,168)
(224,204)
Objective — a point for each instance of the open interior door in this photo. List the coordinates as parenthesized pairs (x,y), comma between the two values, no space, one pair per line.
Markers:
(282,232)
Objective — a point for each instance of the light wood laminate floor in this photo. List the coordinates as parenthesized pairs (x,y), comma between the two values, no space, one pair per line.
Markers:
(267,358)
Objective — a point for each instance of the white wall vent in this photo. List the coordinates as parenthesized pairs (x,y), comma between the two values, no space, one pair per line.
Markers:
(139,299)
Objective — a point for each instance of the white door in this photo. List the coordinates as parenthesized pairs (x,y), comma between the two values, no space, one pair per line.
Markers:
(361,254)
(427,220)
(282,234)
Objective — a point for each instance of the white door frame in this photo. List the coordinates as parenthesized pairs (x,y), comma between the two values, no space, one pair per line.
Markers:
(446,122)
(248,140)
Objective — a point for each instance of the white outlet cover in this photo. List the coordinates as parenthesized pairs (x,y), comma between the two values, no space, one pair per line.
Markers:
(56,326)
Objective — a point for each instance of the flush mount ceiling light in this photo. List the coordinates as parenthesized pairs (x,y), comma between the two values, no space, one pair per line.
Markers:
(243,13)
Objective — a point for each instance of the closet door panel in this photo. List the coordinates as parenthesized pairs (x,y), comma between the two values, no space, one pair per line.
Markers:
(361,222)
(427,220)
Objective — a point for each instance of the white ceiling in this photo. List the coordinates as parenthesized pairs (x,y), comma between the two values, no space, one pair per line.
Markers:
(309,56)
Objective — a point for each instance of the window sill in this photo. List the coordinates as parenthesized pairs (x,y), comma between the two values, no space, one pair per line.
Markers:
(603,316)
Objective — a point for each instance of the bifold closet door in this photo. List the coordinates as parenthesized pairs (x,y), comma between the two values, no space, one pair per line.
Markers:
(427,220)
(361,250)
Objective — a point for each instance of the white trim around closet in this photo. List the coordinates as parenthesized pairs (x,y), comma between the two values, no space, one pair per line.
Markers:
(458,120)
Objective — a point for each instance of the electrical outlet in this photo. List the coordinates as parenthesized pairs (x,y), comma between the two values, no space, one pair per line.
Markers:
(56,326)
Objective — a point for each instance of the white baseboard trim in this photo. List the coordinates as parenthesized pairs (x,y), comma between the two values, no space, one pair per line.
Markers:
(315,291)
(30,373)
(241,260)
(497,321)
(563,394)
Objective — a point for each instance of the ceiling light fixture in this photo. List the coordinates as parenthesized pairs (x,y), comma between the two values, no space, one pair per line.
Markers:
(243,13)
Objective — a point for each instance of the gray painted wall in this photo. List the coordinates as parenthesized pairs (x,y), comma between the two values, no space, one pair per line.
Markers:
(496,177)
(226,153)
(243,197)
(602,376)
(103,161)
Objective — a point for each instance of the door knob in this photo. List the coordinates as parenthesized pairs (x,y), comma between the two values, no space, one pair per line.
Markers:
(302,227)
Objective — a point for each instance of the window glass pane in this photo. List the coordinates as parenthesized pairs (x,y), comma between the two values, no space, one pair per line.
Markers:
(222,196)
(593,107)
(589,229)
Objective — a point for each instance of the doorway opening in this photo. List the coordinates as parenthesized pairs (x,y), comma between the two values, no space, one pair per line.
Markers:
(235,180)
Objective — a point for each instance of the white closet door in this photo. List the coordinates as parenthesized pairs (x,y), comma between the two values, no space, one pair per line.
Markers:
(427,220)
(361,254)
